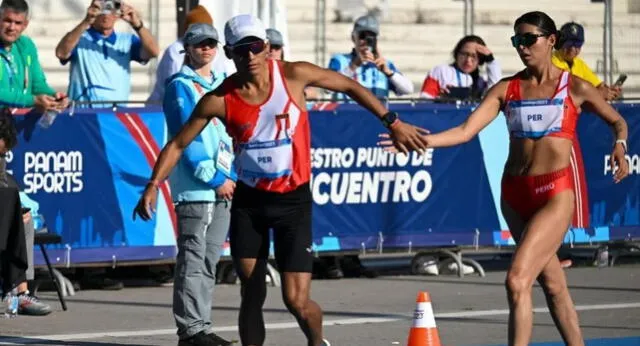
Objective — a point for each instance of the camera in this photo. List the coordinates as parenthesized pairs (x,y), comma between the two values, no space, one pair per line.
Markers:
(111,6)
(372,44)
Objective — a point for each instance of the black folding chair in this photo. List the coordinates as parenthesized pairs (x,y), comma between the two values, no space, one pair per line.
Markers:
(43,237)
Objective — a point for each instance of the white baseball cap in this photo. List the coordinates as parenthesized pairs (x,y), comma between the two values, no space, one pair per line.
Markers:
(242,26)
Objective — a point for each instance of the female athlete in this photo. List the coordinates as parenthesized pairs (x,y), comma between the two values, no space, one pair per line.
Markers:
(541,105)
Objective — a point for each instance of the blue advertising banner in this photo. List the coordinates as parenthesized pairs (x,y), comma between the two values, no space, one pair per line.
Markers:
(615,208)
(87,171)
(359,190)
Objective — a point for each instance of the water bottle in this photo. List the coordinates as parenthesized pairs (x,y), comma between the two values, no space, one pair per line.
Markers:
(603,257)
(12,304)
(38,222)
(47,119)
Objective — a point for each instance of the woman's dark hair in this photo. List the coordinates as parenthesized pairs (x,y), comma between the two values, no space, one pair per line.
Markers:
(8,131)
(478,85)
(546,25)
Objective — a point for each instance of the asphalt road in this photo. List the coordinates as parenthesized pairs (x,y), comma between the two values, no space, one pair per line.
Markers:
(469,311)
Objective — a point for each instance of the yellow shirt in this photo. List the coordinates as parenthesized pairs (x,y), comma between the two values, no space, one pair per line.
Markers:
(579,68)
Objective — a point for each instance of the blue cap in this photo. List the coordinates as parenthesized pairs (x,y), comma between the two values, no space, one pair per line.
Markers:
(199,32)
(275,37)
(573,33)
(367,23)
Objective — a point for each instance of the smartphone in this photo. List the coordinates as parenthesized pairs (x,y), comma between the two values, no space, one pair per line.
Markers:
(459,93)
(621,80)
(372,44)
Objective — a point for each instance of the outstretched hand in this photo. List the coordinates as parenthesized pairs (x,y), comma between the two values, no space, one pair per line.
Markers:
(404,138)
(387,143)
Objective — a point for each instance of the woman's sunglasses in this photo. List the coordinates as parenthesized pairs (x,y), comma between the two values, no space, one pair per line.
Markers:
(206,43)
(255,47)
(527,39)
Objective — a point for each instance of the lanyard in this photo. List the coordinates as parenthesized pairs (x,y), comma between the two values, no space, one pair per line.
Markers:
(13,73)
(459,78)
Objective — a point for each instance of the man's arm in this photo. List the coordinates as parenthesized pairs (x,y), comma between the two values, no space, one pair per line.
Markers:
(178,105)
(312,75)
(209,106)
(40,96)
(39,84)
(408,137)
(19,100)
(147,47)
(16,99)
(66,46)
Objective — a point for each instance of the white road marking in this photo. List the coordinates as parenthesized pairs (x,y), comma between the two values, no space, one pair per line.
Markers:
(290,325)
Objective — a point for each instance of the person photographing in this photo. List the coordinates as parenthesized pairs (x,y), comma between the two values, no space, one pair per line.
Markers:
(367,65)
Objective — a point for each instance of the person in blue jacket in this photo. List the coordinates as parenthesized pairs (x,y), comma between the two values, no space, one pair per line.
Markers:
(202,187)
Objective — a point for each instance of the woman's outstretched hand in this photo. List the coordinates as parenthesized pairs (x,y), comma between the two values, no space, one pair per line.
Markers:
(389,143)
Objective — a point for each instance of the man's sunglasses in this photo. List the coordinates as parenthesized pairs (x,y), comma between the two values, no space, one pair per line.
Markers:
(527,39)
(363,35)
(255,47)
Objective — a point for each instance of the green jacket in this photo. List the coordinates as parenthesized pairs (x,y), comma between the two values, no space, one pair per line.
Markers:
(21,76)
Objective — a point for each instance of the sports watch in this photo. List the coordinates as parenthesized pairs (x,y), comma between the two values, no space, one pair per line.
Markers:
(389,118)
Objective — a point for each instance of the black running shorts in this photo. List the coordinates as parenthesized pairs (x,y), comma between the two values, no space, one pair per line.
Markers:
(254,212)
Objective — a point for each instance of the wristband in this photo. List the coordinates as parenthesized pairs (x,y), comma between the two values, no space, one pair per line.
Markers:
(623,142)
(154,183)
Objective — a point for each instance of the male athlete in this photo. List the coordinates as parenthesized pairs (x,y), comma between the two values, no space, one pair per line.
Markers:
(263,107)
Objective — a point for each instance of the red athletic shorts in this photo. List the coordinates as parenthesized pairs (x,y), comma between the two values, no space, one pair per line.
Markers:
(528,194)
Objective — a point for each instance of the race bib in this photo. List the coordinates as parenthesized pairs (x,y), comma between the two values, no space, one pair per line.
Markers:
(535,118)
(225,157)
(270,160)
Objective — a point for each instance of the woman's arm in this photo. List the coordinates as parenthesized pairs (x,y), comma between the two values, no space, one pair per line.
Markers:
(488,110)
(584,93)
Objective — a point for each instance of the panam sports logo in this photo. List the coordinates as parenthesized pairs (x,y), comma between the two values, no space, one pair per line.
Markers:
(53,172)
(633,160)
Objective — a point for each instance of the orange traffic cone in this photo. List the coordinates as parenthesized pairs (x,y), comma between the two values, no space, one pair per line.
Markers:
(424,331)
